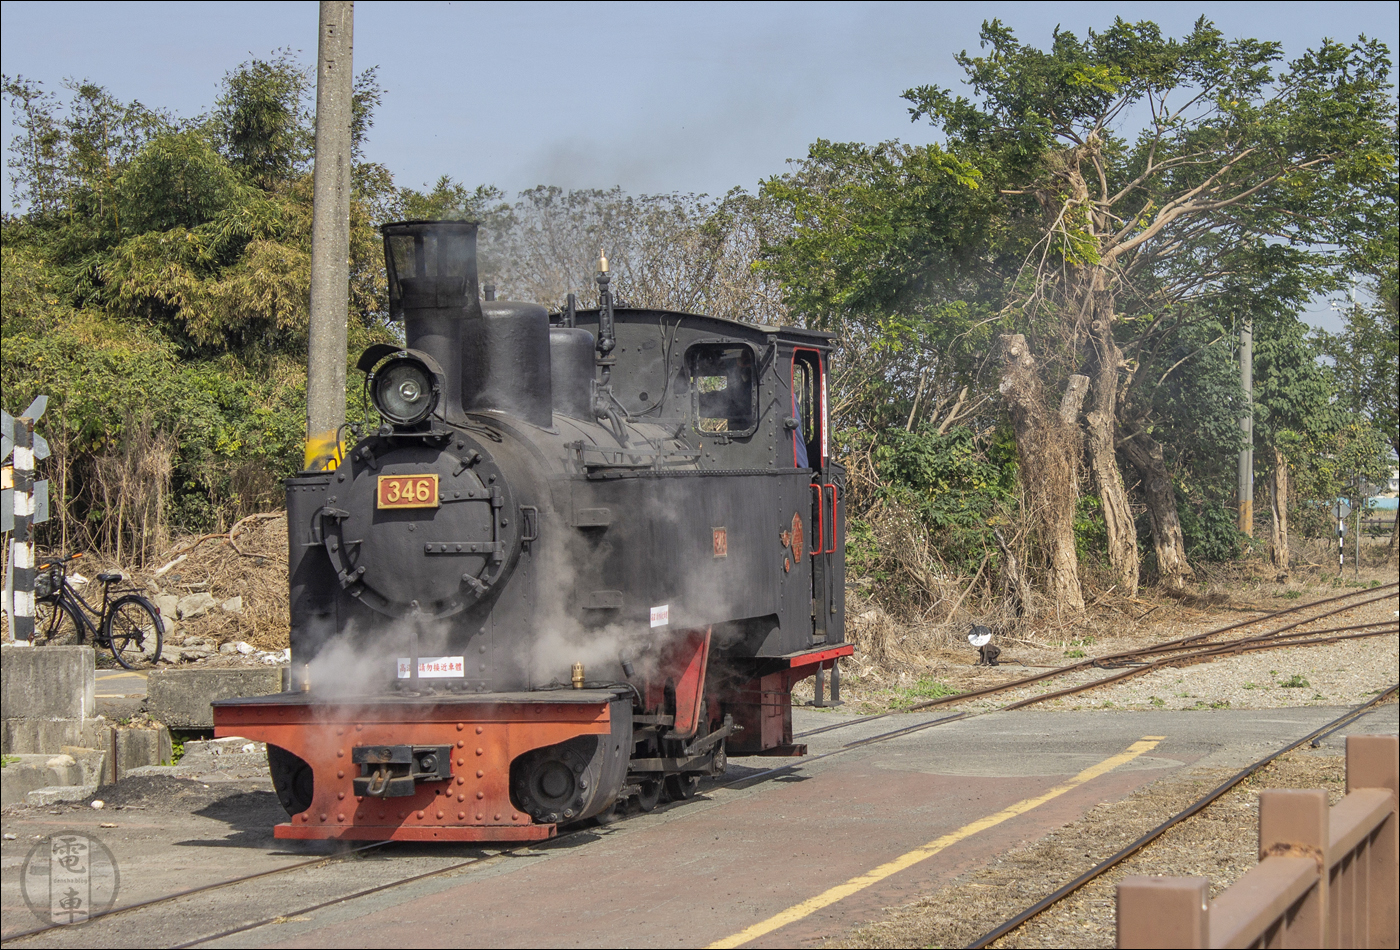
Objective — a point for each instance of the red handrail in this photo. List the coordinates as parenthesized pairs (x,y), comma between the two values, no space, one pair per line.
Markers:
(820,521)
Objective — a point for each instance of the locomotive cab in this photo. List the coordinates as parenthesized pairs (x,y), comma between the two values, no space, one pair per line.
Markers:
(582,560)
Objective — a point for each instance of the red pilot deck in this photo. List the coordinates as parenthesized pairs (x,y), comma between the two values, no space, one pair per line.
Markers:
(485,732)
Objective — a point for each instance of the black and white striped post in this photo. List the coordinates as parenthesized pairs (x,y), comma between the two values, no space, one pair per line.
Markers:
(1341,538)
(23,615)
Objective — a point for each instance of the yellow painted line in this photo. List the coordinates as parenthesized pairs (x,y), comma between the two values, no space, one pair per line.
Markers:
(905,861)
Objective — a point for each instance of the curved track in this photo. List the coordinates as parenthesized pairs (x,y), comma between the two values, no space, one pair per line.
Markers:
(1177,652)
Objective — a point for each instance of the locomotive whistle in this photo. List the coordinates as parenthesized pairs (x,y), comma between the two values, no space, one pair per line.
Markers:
(578,676)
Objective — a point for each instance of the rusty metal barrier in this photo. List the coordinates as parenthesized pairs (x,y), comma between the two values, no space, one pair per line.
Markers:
(1327,877)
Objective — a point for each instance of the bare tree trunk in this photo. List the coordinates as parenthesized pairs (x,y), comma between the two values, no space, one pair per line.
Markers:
(1017,590)
(1048,448)
(1146,456)
(1278,506)
(1101,440)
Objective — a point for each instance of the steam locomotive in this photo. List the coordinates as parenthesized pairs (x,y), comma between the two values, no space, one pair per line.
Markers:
(582,561)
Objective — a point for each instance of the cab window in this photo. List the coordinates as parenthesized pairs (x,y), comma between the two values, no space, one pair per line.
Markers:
(725,392)
(807,409)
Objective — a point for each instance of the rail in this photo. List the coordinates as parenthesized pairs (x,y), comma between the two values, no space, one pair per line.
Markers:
(1327,877)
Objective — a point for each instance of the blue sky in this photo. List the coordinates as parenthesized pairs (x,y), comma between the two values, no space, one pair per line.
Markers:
(652,97)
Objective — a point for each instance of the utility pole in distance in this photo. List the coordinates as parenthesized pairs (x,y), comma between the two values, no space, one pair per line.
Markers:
(1246,485)
(330,236)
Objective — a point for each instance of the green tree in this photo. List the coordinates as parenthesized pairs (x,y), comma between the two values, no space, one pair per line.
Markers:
(1229,155)
(1366,357)
(179,180)
(36,150)
(893,248)
(265,120)
(1295,413)
(156,289)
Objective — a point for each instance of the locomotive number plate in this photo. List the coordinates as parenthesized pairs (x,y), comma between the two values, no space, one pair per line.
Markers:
(408,491)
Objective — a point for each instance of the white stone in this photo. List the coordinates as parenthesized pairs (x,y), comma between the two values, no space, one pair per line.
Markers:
(169,606)
(244,647)
(228,649)
(196,605)
(234,605)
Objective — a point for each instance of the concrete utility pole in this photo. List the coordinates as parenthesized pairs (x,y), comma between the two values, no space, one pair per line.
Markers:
(330,235)
(1246,486)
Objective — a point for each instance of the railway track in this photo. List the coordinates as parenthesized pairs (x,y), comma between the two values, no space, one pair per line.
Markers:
(1177,652)
(738,782)
(1050,900)
(1183,651)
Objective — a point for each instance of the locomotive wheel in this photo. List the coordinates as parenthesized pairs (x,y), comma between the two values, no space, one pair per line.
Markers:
(681,787)
(293,779)
(552,783)
(650,795)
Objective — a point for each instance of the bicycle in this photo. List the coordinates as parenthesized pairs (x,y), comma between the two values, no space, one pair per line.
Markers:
(126,626)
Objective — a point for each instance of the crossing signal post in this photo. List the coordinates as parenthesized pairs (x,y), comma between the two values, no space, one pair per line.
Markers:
(24,503)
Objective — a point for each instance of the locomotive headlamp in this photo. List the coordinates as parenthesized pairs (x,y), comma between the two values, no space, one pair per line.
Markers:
(404,391)
(406,387)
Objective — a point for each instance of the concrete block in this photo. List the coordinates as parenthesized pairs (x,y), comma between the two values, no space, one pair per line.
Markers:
(92,763)
(32,772)
(140,747)
(216,760)
(19,736)
(180,698)
(59,793)
(47,682)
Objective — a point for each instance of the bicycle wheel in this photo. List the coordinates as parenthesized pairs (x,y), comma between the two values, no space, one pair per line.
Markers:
(54,624)
(134,631)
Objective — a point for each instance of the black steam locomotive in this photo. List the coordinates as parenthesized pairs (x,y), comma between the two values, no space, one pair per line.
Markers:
(583,560)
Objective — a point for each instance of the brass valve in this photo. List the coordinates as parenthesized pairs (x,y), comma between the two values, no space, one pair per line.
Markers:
(578,676)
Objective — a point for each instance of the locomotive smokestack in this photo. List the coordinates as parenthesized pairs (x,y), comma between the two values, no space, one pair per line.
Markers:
(433,289)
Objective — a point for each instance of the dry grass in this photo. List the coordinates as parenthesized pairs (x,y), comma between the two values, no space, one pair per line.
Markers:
(210,563)
(258,575)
